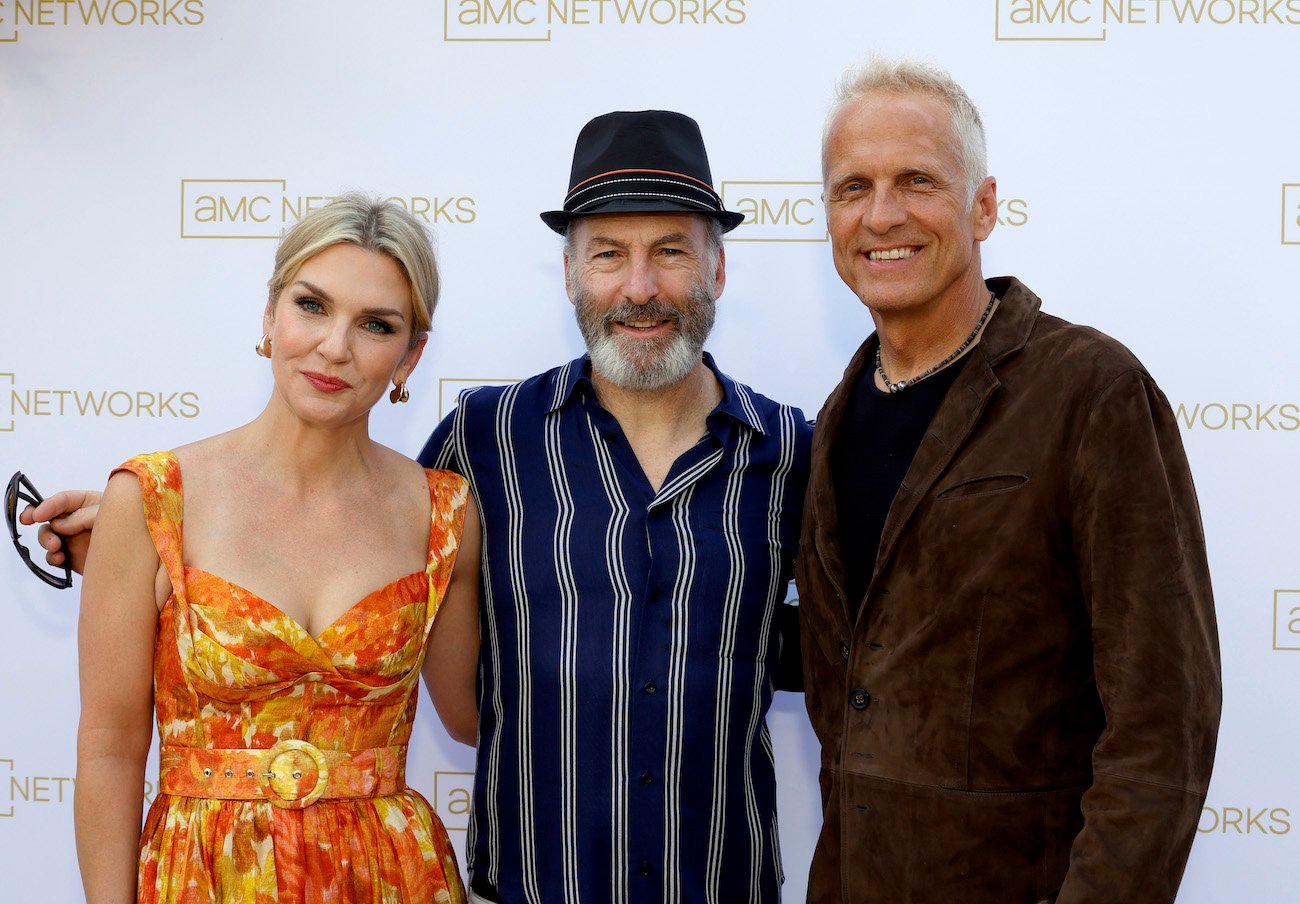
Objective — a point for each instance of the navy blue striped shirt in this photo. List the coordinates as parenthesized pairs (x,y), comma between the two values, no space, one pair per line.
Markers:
(627,644)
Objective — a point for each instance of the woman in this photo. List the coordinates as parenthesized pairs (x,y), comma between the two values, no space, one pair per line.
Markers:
(281,641)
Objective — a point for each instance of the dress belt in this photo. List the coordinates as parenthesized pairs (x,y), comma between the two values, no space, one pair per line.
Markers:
(291,774)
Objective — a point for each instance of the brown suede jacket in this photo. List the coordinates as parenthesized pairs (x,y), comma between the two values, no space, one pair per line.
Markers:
(1026,707)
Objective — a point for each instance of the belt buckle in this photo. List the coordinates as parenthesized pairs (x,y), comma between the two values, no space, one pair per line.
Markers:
(292,749)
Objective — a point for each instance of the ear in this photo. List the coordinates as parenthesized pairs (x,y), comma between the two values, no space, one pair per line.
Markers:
(984,212)
(268,319)
(409,360)
(568,287)
(720,275)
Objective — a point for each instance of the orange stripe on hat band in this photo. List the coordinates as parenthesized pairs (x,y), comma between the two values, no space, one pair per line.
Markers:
(656,171)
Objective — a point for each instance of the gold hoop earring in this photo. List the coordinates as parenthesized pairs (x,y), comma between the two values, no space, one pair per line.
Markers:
(263,347)
(399,394)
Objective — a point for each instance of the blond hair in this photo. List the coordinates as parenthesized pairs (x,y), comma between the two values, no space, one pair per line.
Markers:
(375,225)
(903,76)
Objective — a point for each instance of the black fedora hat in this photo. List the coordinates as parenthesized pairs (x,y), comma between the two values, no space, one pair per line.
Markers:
(652,161)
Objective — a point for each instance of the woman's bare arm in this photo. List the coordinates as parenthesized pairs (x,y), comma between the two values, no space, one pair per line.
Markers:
(119,620)
(451,660)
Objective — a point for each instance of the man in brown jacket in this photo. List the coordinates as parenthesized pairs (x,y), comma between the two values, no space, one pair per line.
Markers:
(1008,630)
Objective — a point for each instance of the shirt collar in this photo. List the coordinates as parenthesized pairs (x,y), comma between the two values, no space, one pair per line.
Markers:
(574,379)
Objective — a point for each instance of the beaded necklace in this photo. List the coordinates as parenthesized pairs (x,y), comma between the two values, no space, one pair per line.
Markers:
(903,384)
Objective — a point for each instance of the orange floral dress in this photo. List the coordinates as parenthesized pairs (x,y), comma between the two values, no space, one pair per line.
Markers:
(282,772)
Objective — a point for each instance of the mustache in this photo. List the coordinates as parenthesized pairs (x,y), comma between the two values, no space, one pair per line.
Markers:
(651,310)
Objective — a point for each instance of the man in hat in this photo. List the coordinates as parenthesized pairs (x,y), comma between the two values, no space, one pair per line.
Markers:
(1009,637)
(640,514)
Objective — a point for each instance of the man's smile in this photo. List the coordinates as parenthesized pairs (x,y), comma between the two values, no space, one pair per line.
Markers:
(643,324)
(893,254)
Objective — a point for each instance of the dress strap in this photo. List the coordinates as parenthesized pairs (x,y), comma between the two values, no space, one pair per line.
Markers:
(448,496)
(159,474)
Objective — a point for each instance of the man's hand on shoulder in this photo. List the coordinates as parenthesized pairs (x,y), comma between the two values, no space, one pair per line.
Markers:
(70,514)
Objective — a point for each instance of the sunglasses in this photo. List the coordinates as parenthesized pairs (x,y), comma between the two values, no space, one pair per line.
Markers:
(21,488)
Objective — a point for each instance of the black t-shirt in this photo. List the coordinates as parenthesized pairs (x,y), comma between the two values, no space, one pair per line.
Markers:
(875,447)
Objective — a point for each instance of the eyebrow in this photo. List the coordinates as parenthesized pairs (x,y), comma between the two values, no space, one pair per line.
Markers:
(313,289)
(373,312)
(672,238)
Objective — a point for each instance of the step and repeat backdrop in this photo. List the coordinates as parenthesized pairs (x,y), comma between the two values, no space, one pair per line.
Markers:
(1148,163)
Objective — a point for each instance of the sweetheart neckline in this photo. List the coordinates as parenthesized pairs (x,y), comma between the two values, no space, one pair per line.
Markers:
(180,549)
(293,621)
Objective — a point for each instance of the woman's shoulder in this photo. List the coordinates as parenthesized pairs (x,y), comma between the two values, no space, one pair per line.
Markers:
(407,470)
(160,473)
(155,472)
(215,463)
(447,491)
(446,480)
(144,489)
(202,453)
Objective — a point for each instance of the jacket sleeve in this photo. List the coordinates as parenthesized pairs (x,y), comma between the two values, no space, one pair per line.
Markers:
(1140,555)
(441,448)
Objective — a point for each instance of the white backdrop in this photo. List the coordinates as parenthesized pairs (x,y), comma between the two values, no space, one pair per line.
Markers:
(151,151)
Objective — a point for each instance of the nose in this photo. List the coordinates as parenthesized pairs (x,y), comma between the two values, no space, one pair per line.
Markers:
(642,283)
(336,345)
(884,211)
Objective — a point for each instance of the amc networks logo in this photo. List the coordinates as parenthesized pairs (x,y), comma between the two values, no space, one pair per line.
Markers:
(264,208)
(1244,821)
(450,388)
(1291,214)
(1286,619)
(81,402)
(537,20)
(1089,20)
(776,211)
(1239,416)
(32,789)
(19,14)
(453,798)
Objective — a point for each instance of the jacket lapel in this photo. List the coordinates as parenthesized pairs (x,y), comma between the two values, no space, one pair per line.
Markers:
(957,415)
(961,408)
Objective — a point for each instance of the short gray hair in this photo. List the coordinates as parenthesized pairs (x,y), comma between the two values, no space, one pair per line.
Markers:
(903,76)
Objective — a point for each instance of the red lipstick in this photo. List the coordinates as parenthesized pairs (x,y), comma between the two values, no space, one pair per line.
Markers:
(325,382)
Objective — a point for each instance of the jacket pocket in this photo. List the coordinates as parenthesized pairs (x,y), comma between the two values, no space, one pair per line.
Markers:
(984,486)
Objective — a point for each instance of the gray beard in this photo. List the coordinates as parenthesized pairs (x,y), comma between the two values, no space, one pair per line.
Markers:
(645,364)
